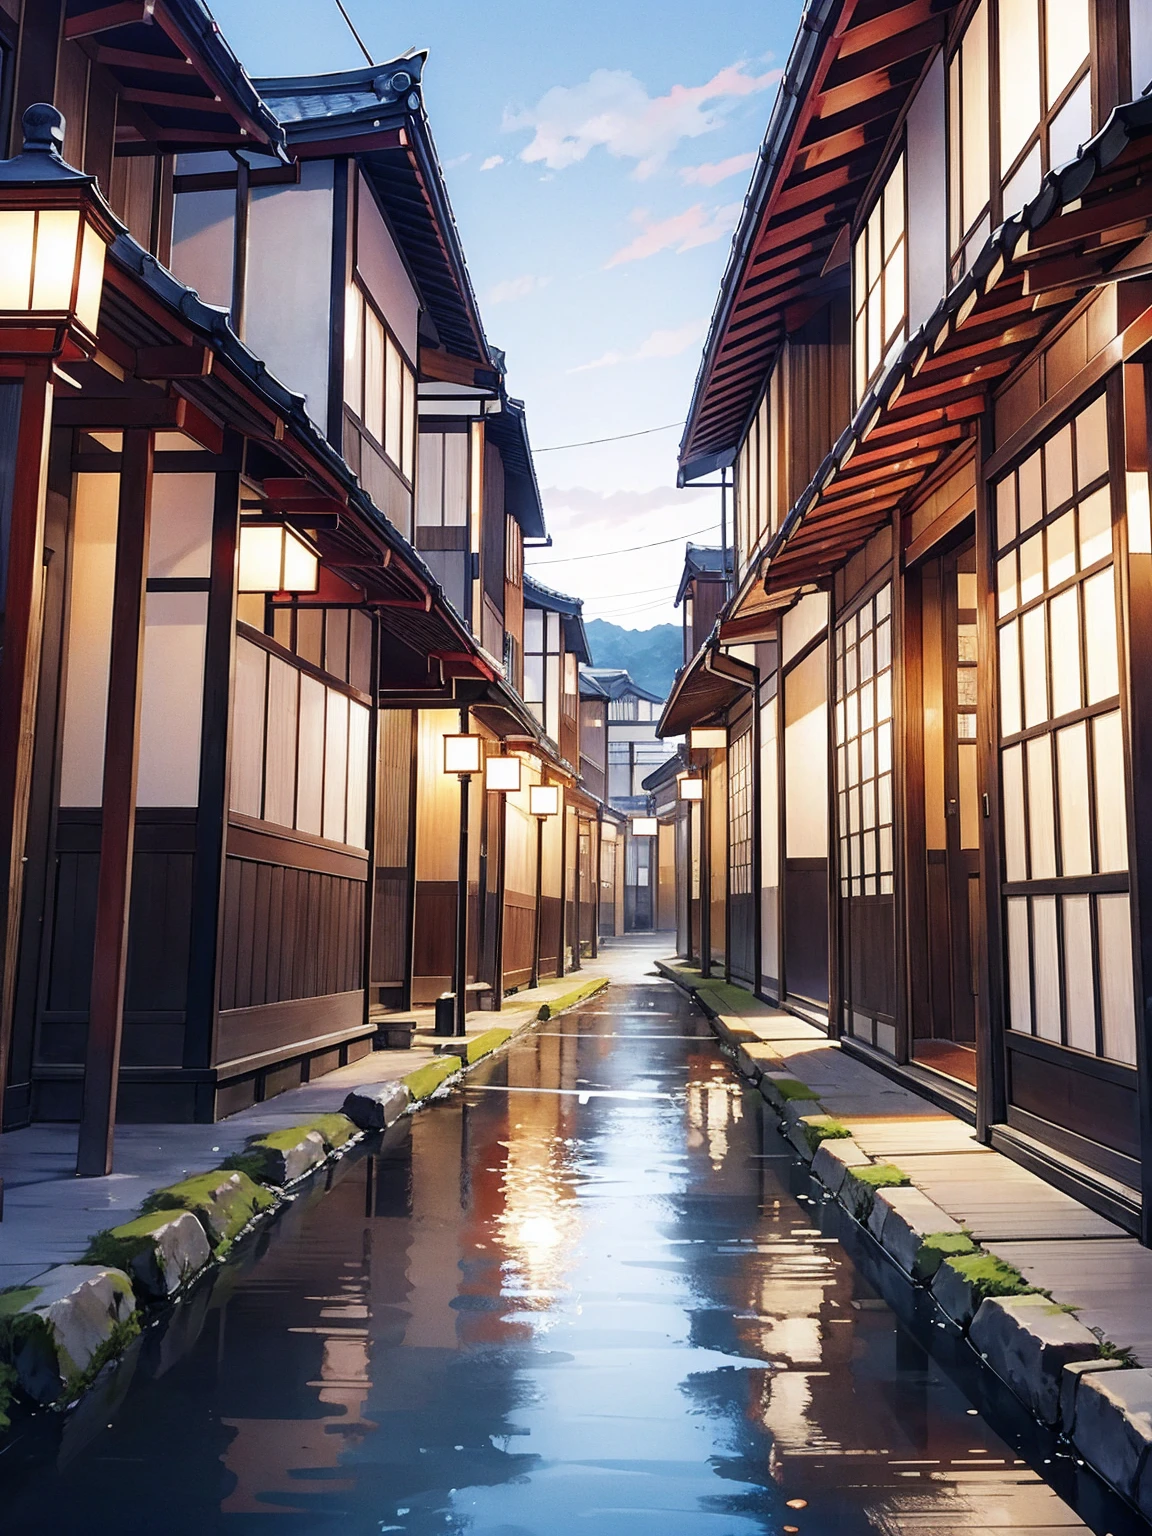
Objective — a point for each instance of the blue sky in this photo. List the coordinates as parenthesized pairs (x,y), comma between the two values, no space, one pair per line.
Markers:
(596,156)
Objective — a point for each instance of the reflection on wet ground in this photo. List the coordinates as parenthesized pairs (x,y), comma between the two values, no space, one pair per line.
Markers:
(591,1294)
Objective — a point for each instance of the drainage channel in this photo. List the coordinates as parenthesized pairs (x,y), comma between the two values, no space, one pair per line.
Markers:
(593,1292)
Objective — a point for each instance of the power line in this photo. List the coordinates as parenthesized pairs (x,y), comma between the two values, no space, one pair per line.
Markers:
(606,554)
(593,441)
(355,34)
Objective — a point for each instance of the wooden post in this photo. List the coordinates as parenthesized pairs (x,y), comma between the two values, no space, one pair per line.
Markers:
(599,877)
(460,969)
(25,413)
(535,982)
(706,870)
(501,895)
(563,928)
(118,809)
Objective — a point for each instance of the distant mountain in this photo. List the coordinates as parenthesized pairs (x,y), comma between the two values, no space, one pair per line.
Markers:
(650,655)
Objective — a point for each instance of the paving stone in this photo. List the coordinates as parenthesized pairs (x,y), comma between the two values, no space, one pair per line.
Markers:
(902,1218)
(67,1315)
(1028,1340)
(1070,1378)
(376,1106)
(833,1160)
(1113,1425)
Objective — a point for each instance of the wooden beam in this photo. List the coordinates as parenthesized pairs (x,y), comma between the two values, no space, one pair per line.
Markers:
(113,413)
(25,416)
(180,100)
(125,13)
(118,809)
(157,63)
(176,362)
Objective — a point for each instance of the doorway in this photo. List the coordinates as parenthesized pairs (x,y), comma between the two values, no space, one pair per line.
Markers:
(946,800)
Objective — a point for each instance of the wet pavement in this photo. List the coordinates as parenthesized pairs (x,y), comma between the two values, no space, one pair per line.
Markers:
(591,1294)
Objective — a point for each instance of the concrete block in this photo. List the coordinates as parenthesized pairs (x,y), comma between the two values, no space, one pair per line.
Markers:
(961,1283)
(954,1294)
(833,1160)
(1028,1340)
(755,1058)
(376,1106)
(1070,1379)
(282,1157)
(902,1218)
(1113,1426)
(160,1251)
(58,1326)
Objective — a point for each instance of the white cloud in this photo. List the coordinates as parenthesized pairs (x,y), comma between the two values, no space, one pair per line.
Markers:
(492,162)
(516,288)
(720,170)
(661,343)
(613,109)
(458,160)
(681,232)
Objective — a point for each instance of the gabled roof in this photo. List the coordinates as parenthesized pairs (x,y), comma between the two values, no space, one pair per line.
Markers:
(181,86)
(508,429)
(590,686)
(377,114)
(710,684)
(700,560)
(571,610)
(852,70)
(616,682)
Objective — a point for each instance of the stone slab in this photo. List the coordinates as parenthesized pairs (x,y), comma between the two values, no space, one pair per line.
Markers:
(833,1160)
(1113,1425)
(1070,1380)
(77,1308)
(376,1106)
(1028,1340)
(902,1218)
(1109,1280)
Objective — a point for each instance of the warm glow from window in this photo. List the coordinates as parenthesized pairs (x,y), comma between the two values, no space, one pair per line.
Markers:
(880,289)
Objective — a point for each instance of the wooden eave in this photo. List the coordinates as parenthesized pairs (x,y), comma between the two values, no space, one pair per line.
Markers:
(870,60)
(918,412)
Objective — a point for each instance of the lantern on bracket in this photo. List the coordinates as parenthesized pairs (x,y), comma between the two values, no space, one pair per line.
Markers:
(503,774)
(462,754)
(690,787)
(276,558)
(708,738)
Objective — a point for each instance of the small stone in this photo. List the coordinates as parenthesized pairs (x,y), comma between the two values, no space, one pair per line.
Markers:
(1027,1341)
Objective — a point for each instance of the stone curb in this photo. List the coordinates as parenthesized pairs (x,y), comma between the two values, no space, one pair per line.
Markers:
(62,1328)
(578,994)
(1049,1360)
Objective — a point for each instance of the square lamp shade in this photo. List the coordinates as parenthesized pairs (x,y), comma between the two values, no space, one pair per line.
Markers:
(690,786)
(544,799)
(462,754)
(705,738)
(502,773)
(275,558)
(643,826)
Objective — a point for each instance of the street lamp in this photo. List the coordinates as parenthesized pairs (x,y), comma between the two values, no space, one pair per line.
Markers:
(462,757)
(543,801)
(502,777)
(708,738)
(275,558)
(690,791)
(644,826)
(690,787)
(503,774)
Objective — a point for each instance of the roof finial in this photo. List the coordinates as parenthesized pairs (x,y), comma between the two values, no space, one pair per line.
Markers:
(43,129)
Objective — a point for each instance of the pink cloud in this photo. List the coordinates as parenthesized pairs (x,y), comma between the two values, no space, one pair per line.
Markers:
(682,232)
(720,170)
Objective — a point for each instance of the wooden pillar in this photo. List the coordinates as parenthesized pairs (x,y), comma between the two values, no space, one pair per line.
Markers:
(25,413)
(501,803)
(599,867)
(563,926)
(706,870)
(118,808)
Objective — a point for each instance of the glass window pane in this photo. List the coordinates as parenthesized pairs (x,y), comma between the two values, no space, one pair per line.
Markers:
(884,747)
(393,402)
(1095,528)
(1067,39)
(1046,967)
(1032,568)
(373,375)
(1079,992)
(1064,624)
(1009,680)
(1031,503)
(1062,549)
(1075,811)
(1072,126)
(883,644)
(1058,468)
(1006,511)
(884,696)
(533,679)
(1006,584)
(1111,799)
(1012,789)
(1019,28)
(1024,183)
(1100,637)
(975,128)
(1019,967)
(1091,443)
(533,629)
(1117,1005)
(1041,815)
(884,798)
(883,603)
(1035,648)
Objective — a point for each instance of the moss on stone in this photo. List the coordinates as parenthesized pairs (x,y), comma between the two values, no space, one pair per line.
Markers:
(8,1381)
(490,1040)
(222,1212)
(987,1276)
(118,1247)
(335,1128)
(818,1128)
(556,1005)
(424,1082)
(860,1186)
(937,1247)
(78,1382)
(791,1088)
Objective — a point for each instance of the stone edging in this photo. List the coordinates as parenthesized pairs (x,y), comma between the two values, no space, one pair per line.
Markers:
(1072,1380)
(58,1332)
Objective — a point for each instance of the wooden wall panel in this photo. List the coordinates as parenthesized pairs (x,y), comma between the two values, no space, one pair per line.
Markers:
(519,928)
(806,928)
(390,928)
(871,982)
(1092,1107)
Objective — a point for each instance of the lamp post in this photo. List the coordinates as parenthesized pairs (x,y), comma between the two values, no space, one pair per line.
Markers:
(690,791)
(543,801)
(648,828)
(462,757)
(502,777)
(55,229)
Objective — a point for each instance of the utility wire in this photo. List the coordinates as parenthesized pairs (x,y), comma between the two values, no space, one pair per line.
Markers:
(592,441)
(606,554)
(355,34)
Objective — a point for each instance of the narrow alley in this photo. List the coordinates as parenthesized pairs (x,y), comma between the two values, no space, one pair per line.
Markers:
(594,1291)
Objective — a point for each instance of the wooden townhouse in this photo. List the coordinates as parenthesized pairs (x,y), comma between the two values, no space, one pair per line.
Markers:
(232,617)
(926,373)
(613,823)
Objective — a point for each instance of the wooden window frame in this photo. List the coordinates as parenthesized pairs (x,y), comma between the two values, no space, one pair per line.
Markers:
(875,285)
(366,301)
